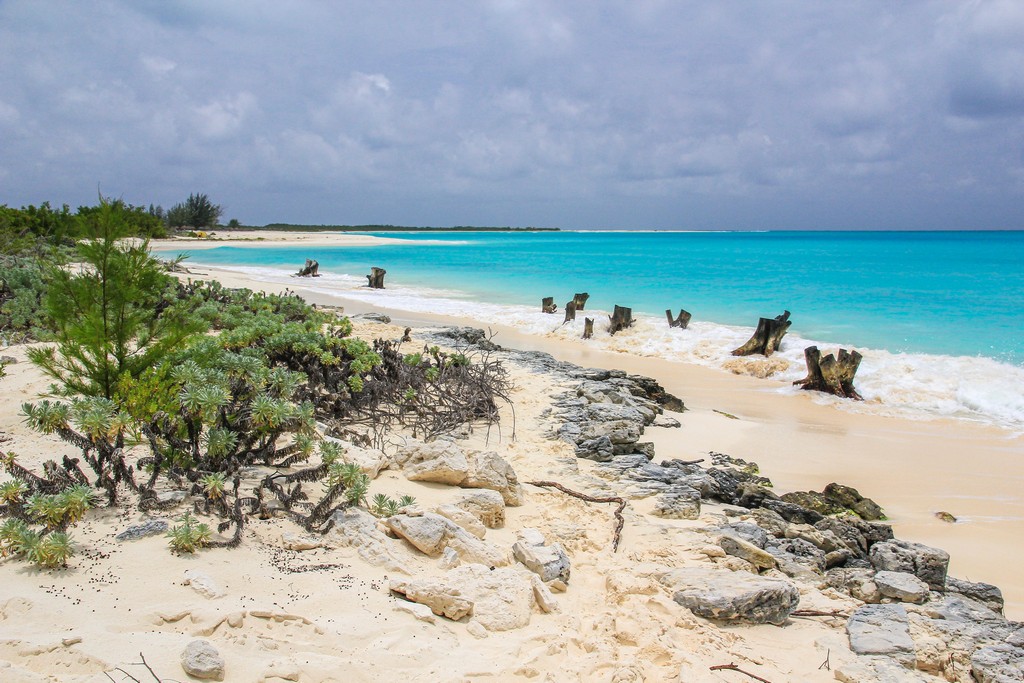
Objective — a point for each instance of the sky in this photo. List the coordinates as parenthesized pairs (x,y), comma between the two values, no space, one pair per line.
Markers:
(644,114)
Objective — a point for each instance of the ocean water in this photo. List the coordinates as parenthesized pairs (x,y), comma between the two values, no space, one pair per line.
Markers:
(938,316)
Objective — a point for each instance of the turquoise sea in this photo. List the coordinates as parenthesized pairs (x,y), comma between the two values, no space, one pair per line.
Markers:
(938,310)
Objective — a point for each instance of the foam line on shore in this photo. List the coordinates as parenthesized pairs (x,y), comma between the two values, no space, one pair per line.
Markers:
(909,385)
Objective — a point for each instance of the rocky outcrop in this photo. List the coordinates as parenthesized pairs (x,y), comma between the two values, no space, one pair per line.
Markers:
(901,586)
(927,563)
(487,506)
(356,528)
(882,630)
(732,596)
(431,534)
(998,664)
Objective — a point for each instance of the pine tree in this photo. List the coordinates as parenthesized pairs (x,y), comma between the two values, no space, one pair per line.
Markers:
(110,313)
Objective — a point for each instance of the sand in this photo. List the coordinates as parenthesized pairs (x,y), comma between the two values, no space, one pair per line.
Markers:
(324,614)
(269,238)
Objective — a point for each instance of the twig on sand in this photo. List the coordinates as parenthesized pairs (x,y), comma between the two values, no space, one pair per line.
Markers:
(827,664)
(620,520)
(733,667)
(722,412)
(818,613)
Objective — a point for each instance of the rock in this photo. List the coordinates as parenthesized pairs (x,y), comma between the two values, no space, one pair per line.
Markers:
(666,421)
(549,562)
(356,528)
(983,592)
(463,518)
(370,460)
(850,498)
(150,528)
(882,630)
(998,664)
(431,534)
(445,462)
(772,522)
(947,517)
(858,583)
(293,541)
(169,499)
(751,495)
(752,533)
(200,659)
(927,563)
(744,550)
(373,317)
(791,512)
(419,611)
(813,500)
(444,598)
(449,559)
(800,551)
(680,502)
(204,584)
(542,594)
(732,596)
(8,360)
(901,586)
(487,506)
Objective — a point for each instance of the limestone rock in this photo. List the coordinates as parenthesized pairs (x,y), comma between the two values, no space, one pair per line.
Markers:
(200,659)
(444,598)
(464,518)
(357,528)
(998,664)
(881,630)
(431,534)
(680,502)
(745,550)
(927,563)
(488,470)
(487,506)
(901,586)
(732,596)
(549,562)
(859,583)
(445,462)
(150,528)
(370,460)
(293,541)
(542,594)
(204,584)
(983,592)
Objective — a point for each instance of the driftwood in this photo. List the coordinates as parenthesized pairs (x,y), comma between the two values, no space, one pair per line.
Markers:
(619,519)
(733,667)
(309,270)
(375,280)
(547,304)
(830,374)
(767,337)
(580,299)
(407,335)
(622,318)
(570,310)
(588,328)
(681,321)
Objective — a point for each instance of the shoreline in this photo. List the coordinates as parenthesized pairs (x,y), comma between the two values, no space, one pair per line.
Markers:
(268,238)
(913,468)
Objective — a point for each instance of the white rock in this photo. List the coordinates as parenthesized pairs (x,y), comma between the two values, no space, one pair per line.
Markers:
(541,593)
(357,528)
(204,584)
(464,518)
(293,541)
(200,659)
(441,596)
(421,612)
(487,506)
(901,586)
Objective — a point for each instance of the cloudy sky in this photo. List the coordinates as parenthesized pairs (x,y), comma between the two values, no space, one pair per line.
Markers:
(631,114)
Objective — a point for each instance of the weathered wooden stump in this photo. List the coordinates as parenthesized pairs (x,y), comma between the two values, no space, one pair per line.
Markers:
(622,318)
(580,299)
(309,270)
(570,311)
(547,304)
(375,280)
(588,328)
(682,320)
(407,335)
(830,374)
(767,336)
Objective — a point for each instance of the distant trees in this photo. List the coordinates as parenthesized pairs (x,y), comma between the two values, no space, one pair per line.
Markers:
(196,212)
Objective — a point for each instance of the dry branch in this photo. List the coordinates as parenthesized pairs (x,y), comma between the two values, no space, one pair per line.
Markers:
(733,667)
(620,520)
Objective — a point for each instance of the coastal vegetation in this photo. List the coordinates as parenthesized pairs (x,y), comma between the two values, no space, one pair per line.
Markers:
(172,388)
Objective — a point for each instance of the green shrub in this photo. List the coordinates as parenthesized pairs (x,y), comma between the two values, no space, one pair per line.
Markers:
(189,536)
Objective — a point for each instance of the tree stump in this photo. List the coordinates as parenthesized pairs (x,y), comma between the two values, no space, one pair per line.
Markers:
(309,270)
(580,299)
(570,311)
(547,304)
(588,328)
(682,320)
(375,280)
(622,318)
(767,336)
(830,374)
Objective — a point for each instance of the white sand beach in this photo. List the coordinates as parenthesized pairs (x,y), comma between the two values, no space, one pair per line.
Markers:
(289,606)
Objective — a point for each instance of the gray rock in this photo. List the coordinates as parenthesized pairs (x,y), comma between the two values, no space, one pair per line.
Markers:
(771,522)
(373,317)
(901,586)
(799,550)
(357,528)
(666,421)
(549,562)
(752,533)
(858,583)
(150,528)
(927,563)
(732,596)
(983,592)
(998,664)
(200,659)
(789,511)
(882,630)
(680,502)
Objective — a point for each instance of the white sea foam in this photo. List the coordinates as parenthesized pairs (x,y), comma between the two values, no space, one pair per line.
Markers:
(919,386)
